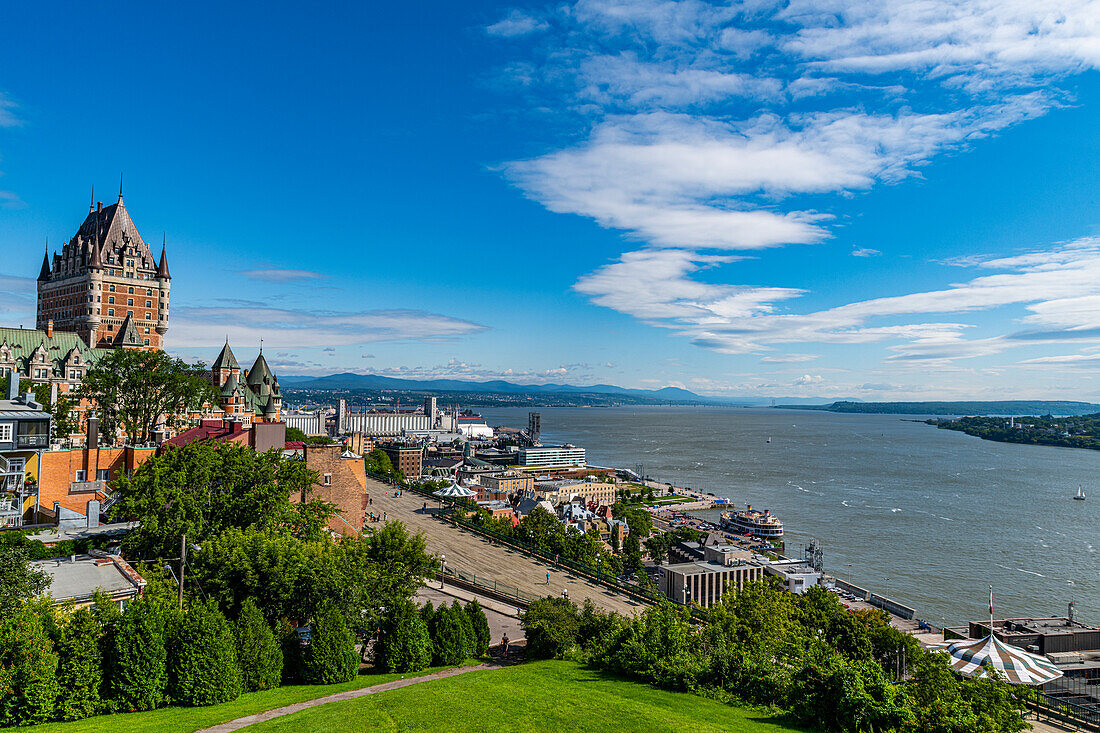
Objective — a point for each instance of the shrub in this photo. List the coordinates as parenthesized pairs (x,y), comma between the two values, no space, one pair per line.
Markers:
(405,644)
(448,637)
(79,670)
(203,667)
(481,627)
(139,670)
(551,627)
(330,656)
(29,666)
(468,635)
(258,652)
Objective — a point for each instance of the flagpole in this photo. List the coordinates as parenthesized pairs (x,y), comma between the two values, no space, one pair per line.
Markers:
(991,610)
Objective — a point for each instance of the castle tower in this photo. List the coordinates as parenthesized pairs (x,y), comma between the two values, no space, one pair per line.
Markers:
(103,277)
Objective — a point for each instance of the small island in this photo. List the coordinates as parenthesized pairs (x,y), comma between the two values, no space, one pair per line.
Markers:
(1079,431)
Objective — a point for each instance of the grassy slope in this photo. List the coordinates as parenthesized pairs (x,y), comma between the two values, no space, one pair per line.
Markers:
(542,696)
(186,720)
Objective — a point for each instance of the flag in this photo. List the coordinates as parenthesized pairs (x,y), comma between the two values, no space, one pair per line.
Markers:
(991,601)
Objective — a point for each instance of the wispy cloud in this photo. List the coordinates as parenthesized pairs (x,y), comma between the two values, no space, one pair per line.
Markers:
(277,275)
(516,23)
(281,327)
(698,128)
(8,117)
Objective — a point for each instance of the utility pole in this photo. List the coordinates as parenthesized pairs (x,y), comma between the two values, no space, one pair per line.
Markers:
(183,562)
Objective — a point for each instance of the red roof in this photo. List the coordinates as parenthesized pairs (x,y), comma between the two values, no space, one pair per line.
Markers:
(208,430)
(294,445)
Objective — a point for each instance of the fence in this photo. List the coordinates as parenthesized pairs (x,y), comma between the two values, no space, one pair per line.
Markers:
(491,585)
(1066,712)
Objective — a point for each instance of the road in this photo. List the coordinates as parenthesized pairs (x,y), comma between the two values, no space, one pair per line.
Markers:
(474,553)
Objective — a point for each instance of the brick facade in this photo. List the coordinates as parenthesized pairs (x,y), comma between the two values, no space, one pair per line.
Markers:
(341,481)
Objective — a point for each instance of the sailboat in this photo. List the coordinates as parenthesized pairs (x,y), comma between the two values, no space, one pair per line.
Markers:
(1080,494)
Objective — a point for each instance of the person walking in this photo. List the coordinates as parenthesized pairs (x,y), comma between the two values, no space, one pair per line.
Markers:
(548,577)
(504,646)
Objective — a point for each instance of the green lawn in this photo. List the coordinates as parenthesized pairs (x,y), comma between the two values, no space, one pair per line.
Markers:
(542,696)
(186,720)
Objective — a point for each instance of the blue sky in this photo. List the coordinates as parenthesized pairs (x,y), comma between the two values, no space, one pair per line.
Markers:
(880,200)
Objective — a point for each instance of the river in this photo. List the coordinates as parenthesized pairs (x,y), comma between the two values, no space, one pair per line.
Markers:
(928,517)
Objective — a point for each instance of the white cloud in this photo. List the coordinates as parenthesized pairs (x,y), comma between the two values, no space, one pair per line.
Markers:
(206,326)
(8,118)
(277,275)
(807,379)
(516,24)
(789,358)
(865,252)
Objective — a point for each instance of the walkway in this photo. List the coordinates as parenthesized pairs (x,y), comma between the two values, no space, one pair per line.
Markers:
(248,720)
(475,553)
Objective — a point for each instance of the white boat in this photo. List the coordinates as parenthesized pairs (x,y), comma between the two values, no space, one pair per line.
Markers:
(1080,494)
(762,524)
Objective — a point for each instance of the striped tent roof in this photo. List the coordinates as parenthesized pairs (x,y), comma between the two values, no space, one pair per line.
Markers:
(1018,667)
(454,491)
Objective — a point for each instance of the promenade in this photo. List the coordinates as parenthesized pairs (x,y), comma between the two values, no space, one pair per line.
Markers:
(474,553)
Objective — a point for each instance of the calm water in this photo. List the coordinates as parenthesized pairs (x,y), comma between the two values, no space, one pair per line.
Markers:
(929,517)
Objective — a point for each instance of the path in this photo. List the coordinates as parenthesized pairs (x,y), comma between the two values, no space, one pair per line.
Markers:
(248,720)
(475,553)
(502,618)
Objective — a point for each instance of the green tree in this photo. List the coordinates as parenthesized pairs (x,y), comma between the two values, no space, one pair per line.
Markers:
(844,695)
(481,627)
(258,652)
(28,665)
(139,674)
(137,389)
(632,553)
(204,488)
(296,434)
(657,546)
(79,670)
(330,656)
(551,626)
(202,659)
(19,580)
(405,645)
(448,638)
(468,633)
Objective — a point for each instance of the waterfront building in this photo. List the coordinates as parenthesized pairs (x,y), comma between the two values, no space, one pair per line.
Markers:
(796,576)
(508,482)
(551,456)
(560,491)
(310,423)
(24,434)
(105,285)
(393,423)
(704,582)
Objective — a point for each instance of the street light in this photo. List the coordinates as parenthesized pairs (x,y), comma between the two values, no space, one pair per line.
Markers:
(849,566)
(599,561)
(442,569)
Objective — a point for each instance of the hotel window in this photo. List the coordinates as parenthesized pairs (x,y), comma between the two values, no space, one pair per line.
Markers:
(129,301)
(148,291)
(131,291)
(146,328)
(110,299)
(148,304)
(112,289)
(110,311)
(5,432)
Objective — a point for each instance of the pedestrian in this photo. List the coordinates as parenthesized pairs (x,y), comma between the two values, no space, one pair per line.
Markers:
(548,577)
(555,558)
(385,517)
(424,508)
(370,502)
(504,646)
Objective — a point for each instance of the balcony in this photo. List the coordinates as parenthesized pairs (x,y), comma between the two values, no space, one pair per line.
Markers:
(32,441)
(78,487)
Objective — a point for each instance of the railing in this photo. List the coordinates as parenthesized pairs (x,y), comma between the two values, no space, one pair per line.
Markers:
(32,441)
(1064,711)
(77,487)
(489,584)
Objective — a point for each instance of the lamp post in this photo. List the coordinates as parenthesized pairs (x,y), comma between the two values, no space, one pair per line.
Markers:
(887,594)
(599,562)
(442,569)
(849,566)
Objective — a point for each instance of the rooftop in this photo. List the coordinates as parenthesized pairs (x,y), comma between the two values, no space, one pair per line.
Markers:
(79,578)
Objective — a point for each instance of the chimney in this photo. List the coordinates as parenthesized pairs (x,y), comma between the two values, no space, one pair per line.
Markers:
(13,385)
(93,432)
(93,513)
(49,329)
(99,206)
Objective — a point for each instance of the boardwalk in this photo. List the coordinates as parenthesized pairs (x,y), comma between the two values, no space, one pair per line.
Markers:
(474,553)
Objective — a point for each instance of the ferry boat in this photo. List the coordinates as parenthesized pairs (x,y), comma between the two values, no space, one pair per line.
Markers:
(762,524)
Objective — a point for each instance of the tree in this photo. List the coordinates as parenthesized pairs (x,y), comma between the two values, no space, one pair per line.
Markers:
(139,676)
(632,554)
(481,627)
(137,389)
(551,626)
(204,488)
(657,546)
(258,652)
(448,638)
(843,695)
(202,659)
(19,579)
(296,434)
(80,669)
(378,462)
(330,656)
(28,665)
(405,645)
(468,634)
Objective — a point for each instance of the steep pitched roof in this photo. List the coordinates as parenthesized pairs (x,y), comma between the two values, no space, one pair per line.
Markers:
(162,267)
(260,373)
(44,273)
(128,334)
(22,342)
(225,359)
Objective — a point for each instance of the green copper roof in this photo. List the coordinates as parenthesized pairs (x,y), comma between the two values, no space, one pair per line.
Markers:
(225,359)
(22,342)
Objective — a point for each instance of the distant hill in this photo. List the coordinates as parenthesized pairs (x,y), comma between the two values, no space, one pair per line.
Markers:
(352,381)
(1005,407)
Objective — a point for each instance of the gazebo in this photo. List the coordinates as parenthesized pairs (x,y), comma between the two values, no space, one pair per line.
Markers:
(454,491)
(974,658)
